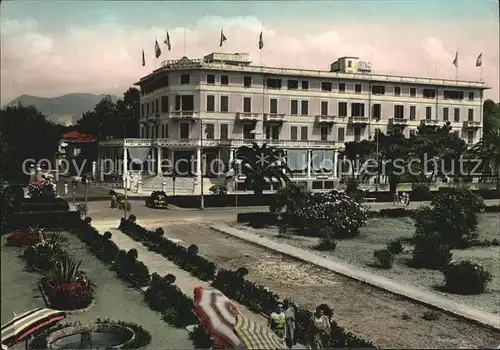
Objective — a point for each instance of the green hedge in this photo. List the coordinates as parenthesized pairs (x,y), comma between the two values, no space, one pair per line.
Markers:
(43,219)
(57,204)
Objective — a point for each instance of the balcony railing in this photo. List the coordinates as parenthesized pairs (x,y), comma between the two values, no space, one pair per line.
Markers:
(359,120)
(244,116)
(430,122)
(472,124)
(187,115)
(325,119)
(399,121)
(274,117)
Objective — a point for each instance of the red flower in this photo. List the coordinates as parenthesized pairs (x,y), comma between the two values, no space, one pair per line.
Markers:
(24,238)
(69,296)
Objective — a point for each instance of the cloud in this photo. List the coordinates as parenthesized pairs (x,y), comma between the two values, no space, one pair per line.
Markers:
(106,56)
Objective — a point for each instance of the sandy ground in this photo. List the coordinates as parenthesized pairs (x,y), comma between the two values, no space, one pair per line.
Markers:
(387,320)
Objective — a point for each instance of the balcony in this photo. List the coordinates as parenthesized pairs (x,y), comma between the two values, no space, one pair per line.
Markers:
(359,120)
(274,118)
(325,119)
(301,144)
(430,122)
(399,121)
(184,115)
(472,124)
(247,117)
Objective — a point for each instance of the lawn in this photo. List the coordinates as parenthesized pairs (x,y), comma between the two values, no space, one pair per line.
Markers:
(379,231)
(114,300)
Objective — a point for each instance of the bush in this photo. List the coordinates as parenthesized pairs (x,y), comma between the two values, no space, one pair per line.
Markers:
(466,277)
(218,190)
(383,258)
(290,197)
(395,246)
(87,220)
(200,338)
(326,243)
(23,238)
(70,296)
(393,213)
(429,251)
(45,219)
(193,249)
(107,235)
(41,190)
(132,218)
(420,192)
(334,212)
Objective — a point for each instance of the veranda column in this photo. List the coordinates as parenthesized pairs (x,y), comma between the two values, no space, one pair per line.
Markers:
(125,167)
(309,164)
(198,164)
(231,156)
(335,163)
(159,156)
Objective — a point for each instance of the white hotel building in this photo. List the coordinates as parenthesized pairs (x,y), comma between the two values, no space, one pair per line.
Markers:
(309,113)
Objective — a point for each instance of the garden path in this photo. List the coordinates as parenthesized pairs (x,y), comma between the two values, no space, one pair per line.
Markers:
(351,271)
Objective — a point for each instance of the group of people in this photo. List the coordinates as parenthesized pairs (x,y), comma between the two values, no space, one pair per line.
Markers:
(402,198)
(282,323)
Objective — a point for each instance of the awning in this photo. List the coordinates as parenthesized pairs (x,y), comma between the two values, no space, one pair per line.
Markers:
(256,336)
(21,326)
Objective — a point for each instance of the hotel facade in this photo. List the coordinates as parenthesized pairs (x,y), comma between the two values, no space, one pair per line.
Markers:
(207,108)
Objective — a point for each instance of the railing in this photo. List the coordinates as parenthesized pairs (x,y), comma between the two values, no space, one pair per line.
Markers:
(247,116)
(399,121)
(430,122)
(358,120)
(274,117)
(325,119)
(472,124)
(184,115)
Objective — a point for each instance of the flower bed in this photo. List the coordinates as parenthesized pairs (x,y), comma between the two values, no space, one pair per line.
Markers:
(232,283)
(41,190)
(24,237)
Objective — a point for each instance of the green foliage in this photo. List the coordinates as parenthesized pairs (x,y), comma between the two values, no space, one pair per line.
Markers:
(466,277)
(326,243)
(218,190)
(395,246)
(200,338)
(291,197)
(429,251)
(383,258)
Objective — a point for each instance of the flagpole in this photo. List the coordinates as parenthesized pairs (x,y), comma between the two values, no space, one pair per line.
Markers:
(458,63)
(261,48)
(481,72)
(221,47)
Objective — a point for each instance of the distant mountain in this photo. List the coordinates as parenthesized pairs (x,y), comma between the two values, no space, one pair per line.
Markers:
(66,109)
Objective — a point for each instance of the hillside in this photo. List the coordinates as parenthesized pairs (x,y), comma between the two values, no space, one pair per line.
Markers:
(66,109)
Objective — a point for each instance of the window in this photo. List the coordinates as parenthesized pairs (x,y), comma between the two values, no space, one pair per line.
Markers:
(399,111)
(429,93)
(210,103)
(470,136)
(456,115)
(184,130)
(305,85)
(324,133)
(446,114)
(292,84)
(428,112)
(304,107)
(378,90)
(224,131)
(247,81)
(273,106)
(357,134)
(185,79)
(357,109)
(377,111)
(209,131)
(294,107)
(470,115)
(397,91)
(247,132)
(273,83)
(324,107)
(413,92)
(303,133)
(341,87)
(272,132)
(157,105)
(358,88)
(349,64)
(224,79)
(210,78)
(413,112)
(326,86)
(247,104)
(224,104)
(142,109)
(453,95)
(413,132)
(342,109)
(293,133)
(164,131)
(165,106)
(471,96)
(184,103)
(340,134)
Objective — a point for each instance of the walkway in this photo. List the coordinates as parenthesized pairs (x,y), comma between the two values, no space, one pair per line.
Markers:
(408,291)
(157,263)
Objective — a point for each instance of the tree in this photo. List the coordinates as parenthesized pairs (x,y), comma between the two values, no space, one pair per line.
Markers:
(488,151)
(491,116)
(129,110)
(357,153)
(260,164)
(393,153)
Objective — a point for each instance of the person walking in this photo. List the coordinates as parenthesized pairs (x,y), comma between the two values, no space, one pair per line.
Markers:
(277,321)
(289,323)
(319,330)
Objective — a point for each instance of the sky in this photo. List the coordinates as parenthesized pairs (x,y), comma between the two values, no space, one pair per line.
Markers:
(50,48)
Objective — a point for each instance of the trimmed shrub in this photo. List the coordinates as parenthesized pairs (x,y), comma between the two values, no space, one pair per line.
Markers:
(326,243)
(107,235)
(132,218)
(430,252)
(193,249)
(218,190)
(383,258)
(466,277)
(395,246)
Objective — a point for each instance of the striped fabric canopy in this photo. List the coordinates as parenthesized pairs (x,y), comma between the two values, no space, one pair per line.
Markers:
(218,316)
(29,322)
(256,336)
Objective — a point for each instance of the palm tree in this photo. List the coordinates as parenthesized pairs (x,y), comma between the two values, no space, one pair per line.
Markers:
(260,164)
(488,151)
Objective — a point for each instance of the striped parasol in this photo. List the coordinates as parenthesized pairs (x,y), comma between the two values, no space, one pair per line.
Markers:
(256,336)
(218,316)
(21,326)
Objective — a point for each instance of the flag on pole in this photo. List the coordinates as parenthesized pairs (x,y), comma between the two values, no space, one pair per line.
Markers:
(455,61)
(261,42)
(479,60)
(167,42)
(157,49)
(222,38)
(143,59)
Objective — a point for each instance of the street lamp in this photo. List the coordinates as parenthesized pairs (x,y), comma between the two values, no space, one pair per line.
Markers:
(202,198)
(375,135)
